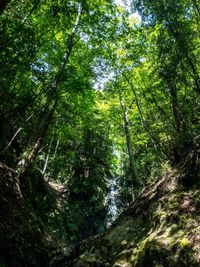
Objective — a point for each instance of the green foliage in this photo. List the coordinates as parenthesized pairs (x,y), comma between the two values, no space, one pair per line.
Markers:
(87,185)
(56,126)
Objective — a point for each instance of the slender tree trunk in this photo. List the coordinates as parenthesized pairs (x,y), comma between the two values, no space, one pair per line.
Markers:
(44,119)
(41,129)
(186,49)
(133,169)
(143,122)
(35,6)
(158,107)
(195,74)
(70,44)
(54,173)
(47,159)
(178,117)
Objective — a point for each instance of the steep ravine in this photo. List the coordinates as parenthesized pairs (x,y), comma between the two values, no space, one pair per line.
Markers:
(160,229)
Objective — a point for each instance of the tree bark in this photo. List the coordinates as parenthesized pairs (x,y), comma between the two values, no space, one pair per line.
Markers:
(178,117)
(145,126)
(45,117)
(41,129)
(133,169)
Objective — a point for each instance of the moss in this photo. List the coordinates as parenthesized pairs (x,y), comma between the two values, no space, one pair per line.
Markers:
(166,236)
(125,255)
(127,233)
(184,243)
(152,252)
(167,243)
(149,254)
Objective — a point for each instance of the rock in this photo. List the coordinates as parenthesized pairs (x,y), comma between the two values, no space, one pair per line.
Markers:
(168,235)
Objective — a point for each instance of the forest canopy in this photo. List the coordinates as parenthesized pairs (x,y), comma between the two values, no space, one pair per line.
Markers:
(92,90)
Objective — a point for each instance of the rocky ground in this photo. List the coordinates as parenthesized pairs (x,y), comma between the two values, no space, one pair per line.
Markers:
(160,229)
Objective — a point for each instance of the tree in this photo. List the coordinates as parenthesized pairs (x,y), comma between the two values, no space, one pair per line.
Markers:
(87,185)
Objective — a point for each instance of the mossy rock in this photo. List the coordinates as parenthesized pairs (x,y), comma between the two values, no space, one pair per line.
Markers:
(153,253)
(163,233)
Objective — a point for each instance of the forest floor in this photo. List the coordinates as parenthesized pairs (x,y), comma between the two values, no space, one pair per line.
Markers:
(161,228)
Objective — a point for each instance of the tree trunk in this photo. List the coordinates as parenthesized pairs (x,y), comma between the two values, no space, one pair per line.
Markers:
(45,117)
(178,117)
(133,170)
(143,122)
(41,129)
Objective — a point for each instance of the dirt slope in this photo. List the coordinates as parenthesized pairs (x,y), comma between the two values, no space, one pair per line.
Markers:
(160,229)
